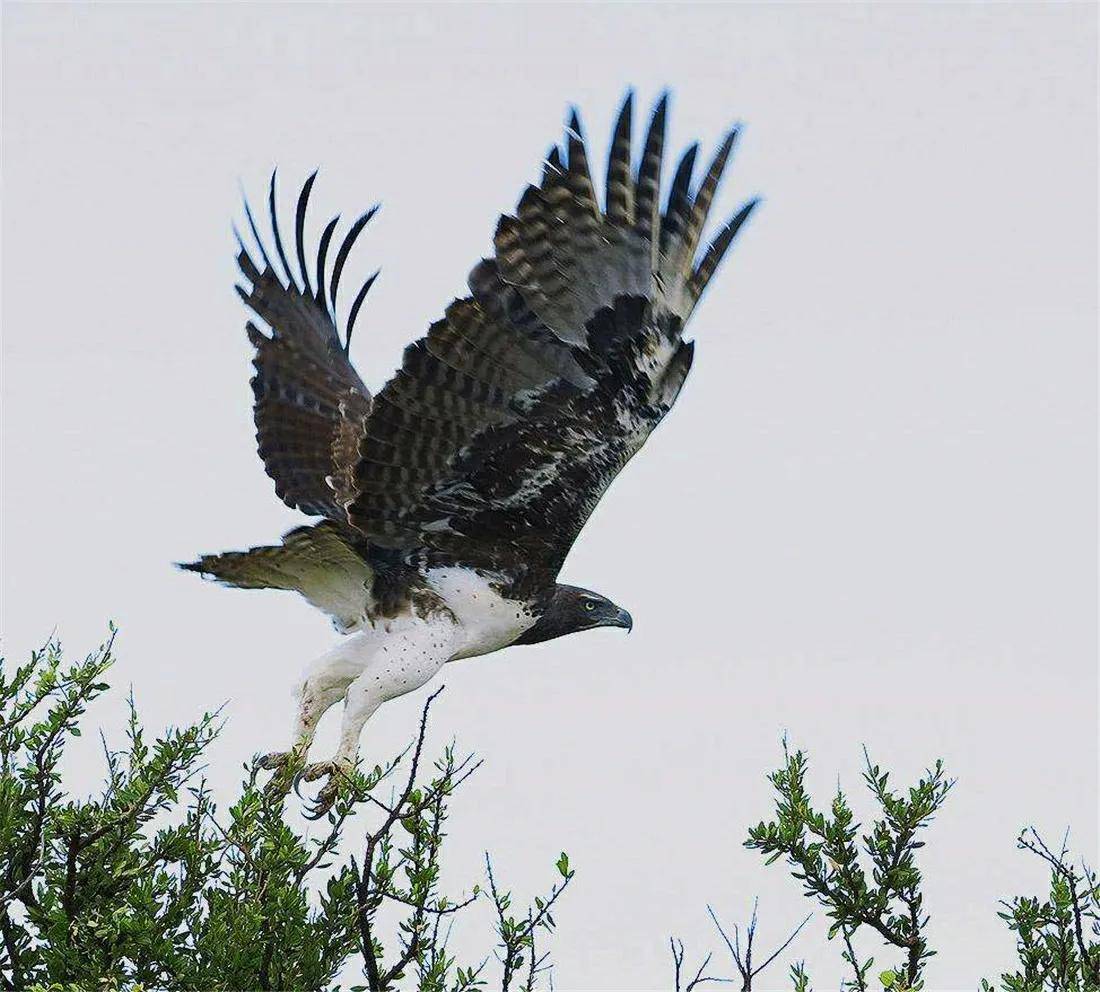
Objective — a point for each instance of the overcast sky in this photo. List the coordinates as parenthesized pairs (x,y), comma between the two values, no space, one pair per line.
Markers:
(869,520)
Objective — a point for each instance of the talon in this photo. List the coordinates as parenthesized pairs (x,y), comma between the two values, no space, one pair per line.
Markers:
(325,800)
(319,769)
(274,761)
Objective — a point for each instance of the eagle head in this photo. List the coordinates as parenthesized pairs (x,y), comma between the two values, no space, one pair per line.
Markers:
(571,609)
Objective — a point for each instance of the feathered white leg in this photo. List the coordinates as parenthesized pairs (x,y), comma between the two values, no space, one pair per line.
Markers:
(409,656)
(324,683)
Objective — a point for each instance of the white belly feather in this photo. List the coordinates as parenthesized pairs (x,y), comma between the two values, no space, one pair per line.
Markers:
(486,619)
(387,658)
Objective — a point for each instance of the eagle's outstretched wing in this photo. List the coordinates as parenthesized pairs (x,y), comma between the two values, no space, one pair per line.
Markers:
(310,404)
(508,421)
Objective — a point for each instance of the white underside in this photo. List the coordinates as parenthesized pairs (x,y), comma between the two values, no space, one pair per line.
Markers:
(486,620)
(387,658)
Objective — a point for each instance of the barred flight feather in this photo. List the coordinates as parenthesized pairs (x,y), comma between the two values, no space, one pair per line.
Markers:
(505,424)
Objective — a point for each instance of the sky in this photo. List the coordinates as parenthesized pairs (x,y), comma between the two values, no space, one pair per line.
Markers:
(870,519)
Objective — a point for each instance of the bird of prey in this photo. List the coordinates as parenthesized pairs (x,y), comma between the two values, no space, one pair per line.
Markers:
(449,500)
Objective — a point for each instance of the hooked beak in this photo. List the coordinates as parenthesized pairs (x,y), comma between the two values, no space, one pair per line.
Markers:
(624,619)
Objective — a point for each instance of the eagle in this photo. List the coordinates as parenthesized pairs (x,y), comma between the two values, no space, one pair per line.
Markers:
(449,500)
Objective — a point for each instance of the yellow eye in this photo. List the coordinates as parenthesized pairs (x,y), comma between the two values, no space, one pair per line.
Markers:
(590,606)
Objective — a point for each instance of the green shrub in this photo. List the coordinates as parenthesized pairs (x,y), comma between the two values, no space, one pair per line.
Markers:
(149,885)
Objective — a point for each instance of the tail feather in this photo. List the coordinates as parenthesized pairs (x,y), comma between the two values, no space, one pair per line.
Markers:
(319,562)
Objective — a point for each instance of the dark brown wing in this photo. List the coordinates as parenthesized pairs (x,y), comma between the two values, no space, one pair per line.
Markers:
(310,404)
(506,424)
(520,493)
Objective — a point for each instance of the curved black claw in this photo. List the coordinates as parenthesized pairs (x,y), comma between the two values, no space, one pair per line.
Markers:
(327,796)
(325,800)
(312,772)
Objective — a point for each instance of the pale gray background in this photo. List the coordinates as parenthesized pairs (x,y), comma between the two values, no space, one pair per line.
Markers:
(869,519)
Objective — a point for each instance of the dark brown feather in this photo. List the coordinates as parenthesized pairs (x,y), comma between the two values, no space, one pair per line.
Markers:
(496,439)
(647,220)
(310,404)
(619,199)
